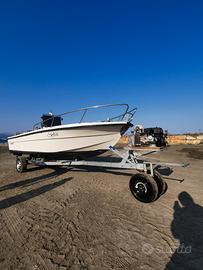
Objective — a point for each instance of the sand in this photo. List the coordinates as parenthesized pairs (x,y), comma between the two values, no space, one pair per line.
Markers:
(60,218)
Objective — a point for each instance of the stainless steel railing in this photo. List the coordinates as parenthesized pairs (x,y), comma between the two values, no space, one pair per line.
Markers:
(127,114)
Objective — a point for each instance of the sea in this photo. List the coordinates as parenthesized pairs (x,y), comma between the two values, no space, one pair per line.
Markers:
(3,137)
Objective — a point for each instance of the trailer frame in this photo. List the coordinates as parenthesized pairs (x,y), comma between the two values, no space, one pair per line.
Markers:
(146,186)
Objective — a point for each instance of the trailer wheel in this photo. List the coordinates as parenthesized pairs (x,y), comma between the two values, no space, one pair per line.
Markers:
(162,186)
(21,164)
(165,188)
(143,187)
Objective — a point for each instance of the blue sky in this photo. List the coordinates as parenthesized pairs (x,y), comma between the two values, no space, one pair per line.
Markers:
(61,55)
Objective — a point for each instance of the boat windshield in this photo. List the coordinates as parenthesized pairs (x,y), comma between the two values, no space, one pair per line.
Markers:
(120,112)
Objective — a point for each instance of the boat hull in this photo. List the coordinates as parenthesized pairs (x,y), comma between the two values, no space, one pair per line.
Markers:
(68,141)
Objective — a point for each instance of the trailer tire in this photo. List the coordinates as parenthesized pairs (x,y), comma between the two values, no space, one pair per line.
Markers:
(162,186)
(21,164)
(143,187)
(165,188)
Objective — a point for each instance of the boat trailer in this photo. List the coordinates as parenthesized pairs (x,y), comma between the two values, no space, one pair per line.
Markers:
(147,185)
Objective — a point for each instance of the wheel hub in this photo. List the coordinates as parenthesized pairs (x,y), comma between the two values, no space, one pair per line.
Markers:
(18,165)
(140,188)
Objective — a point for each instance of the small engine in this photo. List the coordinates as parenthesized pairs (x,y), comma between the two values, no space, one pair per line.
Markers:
(154,136)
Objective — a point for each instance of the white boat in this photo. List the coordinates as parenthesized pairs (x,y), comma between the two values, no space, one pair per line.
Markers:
(54,140)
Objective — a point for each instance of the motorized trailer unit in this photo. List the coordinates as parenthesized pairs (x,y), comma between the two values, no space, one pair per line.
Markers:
(52,144)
